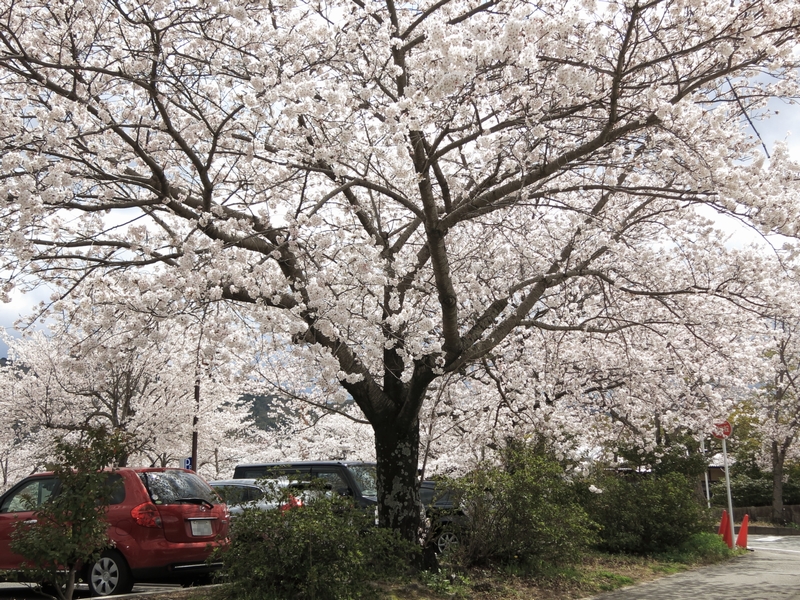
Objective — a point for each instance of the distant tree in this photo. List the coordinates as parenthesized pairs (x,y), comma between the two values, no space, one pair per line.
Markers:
(100,364)
(776,404)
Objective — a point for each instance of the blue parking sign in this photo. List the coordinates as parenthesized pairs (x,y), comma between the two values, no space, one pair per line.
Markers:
(187,463)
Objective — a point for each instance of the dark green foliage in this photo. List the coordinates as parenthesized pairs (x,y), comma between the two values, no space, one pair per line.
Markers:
(70,529)
(270,412)
(681,456)
(745,491)
(791,485)
(754,491)
(644,514)
(263,411)
(325,550)
(524,512)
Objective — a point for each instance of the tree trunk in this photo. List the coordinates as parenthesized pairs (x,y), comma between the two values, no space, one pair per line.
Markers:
(397,453)
(778,456)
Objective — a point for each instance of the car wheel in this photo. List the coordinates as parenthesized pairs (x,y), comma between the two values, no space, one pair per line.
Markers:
(447,540)
(109,575)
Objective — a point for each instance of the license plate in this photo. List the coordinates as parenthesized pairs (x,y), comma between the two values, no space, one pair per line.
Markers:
(201,528)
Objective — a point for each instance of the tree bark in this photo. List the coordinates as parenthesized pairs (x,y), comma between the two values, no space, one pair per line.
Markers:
(778,456)
(397,453)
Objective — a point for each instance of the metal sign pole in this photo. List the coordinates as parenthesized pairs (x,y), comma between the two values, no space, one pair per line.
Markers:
(728,485)
(708,488)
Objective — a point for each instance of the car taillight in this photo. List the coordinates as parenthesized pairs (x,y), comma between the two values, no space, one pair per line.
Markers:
(146,515)
(292,502)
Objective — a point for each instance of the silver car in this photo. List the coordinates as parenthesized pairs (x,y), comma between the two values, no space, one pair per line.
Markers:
(241,494)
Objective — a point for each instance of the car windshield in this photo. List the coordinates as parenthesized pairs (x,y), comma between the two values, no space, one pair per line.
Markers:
(231,494)
(173,487)
(367,479)
(239,494)
(426,493)
(431,493)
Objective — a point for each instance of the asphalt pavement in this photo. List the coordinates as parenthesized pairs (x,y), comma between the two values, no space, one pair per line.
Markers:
(23,591)
(770,572)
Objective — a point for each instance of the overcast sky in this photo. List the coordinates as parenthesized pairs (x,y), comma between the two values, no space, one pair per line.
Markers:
(783,127)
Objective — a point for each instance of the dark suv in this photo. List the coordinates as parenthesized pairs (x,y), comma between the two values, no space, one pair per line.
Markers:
(355,479)
(359,480)
(163,524)
(446,519)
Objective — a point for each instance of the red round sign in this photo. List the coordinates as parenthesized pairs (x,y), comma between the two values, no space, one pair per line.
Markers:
(722,430)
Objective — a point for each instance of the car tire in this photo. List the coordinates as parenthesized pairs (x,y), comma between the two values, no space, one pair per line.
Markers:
(446,540)
(109,575)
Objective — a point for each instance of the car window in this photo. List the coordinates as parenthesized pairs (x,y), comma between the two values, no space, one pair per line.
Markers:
(431,493)
(426,494)
(367,479)
(275,479)
(271,472)
(117,486)
(172,487)
(30,496)
(286,473)
(230,494)
(239,494)
(253,473)
(253,494)
(333,481)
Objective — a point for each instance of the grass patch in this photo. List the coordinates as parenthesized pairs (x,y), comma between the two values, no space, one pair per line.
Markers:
(701,549)
(594,574)
(454,585)
(608,581)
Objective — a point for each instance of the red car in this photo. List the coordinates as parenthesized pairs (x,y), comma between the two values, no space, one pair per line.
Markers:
(163,523)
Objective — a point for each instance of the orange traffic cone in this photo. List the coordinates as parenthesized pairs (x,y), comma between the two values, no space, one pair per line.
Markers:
(741,539)
(725,530)
(728,536)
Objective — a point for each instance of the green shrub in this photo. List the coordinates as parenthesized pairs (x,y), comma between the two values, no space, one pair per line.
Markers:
(70,529)
(325,550)
(644,514)
(700,548)
(754,491)
(525,512)
(745,491)
(682,456)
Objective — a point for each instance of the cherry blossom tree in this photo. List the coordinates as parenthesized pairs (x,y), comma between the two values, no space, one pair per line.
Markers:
(400,190)
(583,392)
(17,454)
(775,403)
(102,363)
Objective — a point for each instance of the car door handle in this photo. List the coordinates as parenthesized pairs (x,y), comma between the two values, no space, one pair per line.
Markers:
(30,521)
